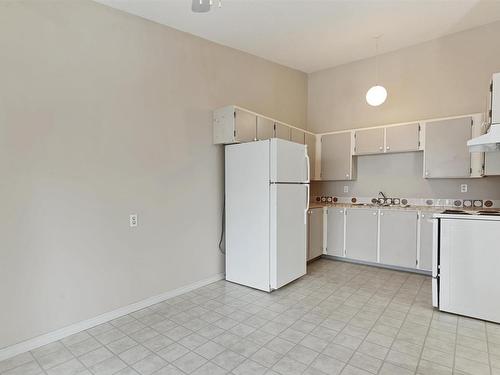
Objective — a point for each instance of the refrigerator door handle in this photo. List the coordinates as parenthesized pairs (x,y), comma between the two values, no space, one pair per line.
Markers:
(308,161)
(307,203)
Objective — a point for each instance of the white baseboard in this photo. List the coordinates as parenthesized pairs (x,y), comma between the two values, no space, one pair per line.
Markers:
(25,346)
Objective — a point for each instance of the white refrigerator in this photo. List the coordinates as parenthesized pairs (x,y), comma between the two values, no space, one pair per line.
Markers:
(267,198)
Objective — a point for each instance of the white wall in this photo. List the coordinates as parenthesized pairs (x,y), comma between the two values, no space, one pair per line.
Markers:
(103,114)
(445,77)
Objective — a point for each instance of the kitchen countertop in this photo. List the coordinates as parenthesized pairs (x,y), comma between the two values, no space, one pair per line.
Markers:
(436,209)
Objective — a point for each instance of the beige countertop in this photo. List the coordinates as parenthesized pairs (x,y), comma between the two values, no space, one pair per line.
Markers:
(395,207)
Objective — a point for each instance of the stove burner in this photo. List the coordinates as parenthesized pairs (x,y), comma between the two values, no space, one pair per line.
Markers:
(491,213)
(456,212)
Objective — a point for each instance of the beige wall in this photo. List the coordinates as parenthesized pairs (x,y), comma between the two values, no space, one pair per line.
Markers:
(103,114)
(445,77)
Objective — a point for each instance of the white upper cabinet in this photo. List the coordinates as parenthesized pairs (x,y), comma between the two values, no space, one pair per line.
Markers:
(402,138)
(492,163)
(297,136)
(398,238)
(265,128)
(233,125)
(310,140)
(446,154)
(369,141)
(281,131)
(336,157)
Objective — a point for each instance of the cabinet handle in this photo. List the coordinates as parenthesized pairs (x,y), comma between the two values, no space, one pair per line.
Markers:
(347,175)
(341,211)
(374,213)
(387,148)
(381,214)
(426,173)
(380,148)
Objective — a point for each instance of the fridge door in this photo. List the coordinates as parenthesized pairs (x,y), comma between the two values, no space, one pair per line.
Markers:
(247,214)
(289,162)
(289,205)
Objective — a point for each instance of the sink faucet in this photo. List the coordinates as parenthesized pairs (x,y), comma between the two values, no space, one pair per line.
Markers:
(380,193)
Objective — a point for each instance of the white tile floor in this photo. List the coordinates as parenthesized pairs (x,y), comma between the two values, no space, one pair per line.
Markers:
(339,319)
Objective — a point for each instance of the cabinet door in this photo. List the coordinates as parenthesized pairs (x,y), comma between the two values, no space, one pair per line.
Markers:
(446,154)
(297,135)
(398,238)
(370,141)
(426,224)
(281,131)
(310,140)
(336,158)
(361,234)
(335,232)
(245,126)
(402,138)
(492,163)
(315,240)
(265,128)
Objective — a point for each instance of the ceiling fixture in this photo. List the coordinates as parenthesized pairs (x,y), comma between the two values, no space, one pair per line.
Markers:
(377,94)
(203,6)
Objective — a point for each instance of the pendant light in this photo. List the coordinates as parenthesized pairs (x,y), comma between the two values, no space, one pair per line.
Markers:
(377,94)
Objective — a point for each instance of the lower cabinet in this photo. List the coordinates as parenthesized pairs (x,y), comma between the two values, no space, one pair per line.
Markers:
(315,233)
(335,220)
(398,238)
(361,235)
(425,261)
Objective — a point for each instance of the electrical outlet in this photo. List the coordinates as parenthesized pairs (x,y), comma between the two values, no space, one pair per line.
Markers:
(346,189)
(463,188)
(132,220)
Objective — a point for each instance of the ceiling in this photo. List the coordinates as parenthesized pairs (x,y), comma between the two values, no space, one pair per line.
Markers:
(311,35)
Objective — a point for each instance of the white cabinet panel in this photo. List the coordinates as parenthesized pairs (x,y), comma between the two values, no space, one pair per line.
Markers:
(281,131)
(446,154)
(336,157)
(492,163)
(245,126)
(335,233)
(265,128)
(369,141)
(402,138)
(362,234)
(310,140)
(426,224)
(297,136)
(315,233)
(398,238)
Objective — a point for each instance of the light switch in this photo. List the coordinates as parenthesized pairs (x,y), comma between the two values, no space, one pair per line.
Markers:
(463,188)
(346,189)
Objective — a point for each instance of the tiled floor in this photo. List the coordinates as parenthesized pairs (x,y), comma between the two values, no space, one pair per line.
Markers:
(339,319)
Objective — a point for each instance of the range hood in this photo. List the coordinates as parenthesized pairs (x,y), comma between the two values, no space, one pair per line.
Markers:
(491,140)
(487,142)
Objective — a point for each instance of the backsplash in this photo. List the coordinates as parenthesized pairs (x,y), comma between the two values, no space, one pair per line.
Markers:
(400,175)
(430,202)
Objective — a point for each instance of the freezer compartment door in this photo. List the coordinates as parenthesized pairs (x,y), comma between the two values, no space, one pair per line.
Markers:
(289,162)
(289,204)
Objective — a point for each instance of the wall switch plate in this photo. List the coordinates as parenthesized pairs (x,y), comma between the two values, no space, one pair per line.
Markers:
(132,220)
(463,188)
(346,189)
